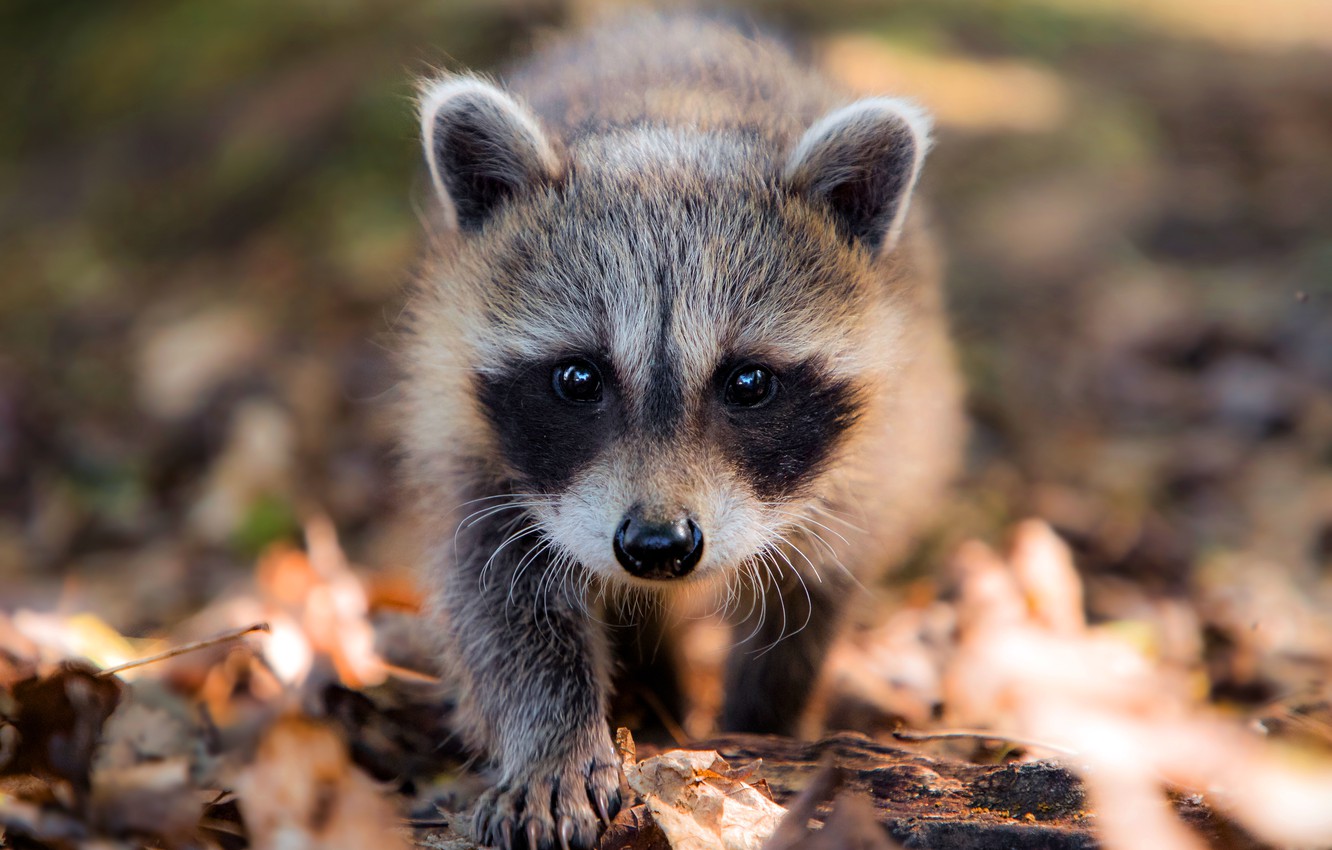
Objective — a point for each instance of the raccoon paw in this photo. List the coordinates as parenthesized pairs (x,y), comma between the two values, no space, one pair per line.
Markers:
(561,808)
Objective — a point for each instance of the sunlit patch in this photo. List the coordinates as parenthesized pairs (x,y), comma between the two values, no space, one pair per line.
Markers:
(961,92)
(1282,25)
(288,652)
(316,604)
(80,636)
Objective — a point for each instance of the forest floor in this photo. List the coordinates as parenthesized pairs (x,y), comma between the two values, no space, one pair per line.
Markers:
(208,221)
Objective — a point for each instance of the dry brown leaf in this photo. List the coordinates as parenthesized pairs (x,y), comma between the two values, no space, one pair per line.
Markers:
(1044,570)
(152,724)
(56,722)
(893,669)
(150,798)
(337,610)
(18,653)
(302,790)
(315,604)
(1027,664)
(58,637)
(701,803)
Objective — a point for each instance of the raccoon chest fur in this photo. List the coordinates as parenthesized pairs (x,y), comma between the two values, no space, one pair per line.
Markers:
(679,335)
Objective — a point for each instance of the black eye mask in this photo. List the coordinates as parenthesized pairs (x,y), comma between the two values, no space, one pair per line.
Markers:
(551,418)
(788,435)
(779,429)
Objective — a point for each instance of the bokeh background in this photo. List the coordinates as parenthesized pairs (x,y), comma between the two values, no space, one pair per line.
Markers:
(209,210)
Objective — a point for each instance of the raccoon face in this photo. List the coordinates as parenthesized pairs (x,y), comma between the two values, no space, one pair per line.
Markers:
(671,339)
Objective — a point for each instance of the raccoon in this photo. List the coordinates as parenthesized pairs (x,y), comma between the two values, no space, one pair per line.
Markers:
(676,334)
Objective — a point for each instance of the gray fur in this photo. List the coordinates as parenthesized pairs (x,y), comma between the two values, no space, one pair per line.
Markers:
(669,206)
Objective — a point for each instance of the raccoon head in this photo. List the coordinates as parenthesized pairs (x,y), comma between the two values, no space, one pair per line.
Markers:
(661,341)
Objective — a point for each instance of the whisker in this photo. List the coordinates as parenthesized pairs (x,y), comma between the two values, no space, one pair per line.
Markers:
(799,552)
(759,598)
(462,505)
(541,605)
(733,594)
(523,563)
(802,519)
(809,615)
(835,516)
(755,600)
(485,569)
(781,598)
(477,516)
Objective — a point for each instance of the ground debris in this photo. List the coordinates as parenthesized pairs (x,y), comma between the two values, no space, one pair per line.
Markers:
(940,804)
(305,737)
(699,802)
(852,822)
(301,790)
(208,744)
(51,725)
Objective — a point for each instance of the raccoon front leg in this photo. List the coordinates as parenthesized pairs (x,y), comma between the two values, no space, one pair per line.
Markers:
(535,672)
(772,672)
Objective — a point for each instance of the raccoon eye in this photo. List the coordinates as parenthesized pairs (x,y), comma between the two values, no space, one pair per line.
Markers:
(750,386)
(577,381)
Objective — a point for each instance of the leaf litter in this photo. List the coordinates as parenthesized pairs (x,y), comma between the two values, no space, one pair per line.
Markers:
(303,735)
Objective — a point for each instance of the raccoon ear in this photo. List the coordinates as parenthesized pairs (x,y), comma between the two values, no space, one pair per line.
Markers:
(862,161)
(483,148)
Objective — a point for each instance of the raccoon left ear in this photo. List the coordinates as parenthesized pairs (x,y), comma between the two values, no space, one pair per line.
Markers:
(863,160)
(484,148)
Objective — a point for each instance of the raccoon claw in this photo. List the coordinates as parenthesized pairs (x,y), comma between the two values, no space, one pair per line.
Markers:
(602,808)
(565,809)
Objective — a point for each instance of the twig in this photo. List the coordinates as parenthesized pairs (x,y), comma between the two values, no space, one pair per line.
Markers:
(672,726)
(793,829)
(409,674)
(415,823)
(222,826)
(982,734)
(234,634)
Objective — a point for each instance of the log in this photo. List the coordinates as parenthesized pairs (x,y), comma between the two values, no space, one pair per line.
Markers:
(920,802)
(924,802)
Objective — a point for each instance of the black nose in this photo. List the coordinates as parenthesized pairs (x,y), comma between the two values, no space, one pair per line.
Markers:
(658,550)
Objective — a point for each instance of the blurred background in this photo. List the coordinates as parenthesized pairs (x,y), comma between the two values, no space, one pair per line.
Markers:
(208,212)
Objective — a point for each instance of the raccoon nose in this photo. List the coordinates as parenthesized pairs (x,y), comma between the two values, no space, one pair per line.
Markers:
(658,550)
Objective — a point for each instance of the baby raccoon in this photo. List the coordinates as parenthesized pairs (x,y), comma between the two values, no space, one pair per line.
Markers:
(676,334)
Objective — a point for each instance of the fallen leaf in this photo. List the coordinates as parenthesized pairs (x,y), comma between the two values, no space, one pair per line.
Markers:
(302,791)
(57,720)
(700,802)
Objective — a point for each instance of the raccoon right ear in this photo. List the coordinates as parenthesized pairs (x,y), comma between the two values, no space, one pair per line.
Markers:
(862,161)
(483,148)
